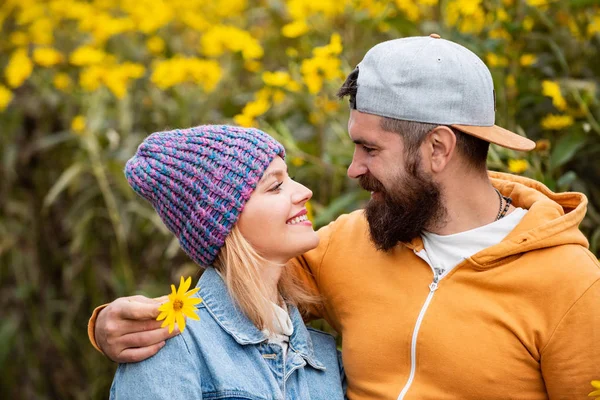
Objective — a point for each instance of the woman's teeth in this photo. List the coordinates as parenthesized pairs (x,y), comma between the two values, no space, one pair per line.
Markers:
(297,220)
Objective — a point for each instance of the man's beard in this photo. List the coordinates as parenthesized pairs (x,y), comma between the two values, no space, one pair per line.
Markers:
(413,204)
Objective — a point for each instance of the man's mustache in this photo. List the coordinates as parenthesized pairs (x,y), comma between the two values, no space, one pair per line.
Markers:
(369,183)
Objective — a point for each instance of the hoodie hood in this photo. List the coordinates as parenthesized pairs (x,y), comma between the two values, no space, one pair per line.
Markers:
(553,219)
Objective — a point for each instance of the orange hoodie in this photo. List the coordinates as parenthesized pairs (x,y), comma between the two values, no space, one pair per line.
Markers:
(518,320)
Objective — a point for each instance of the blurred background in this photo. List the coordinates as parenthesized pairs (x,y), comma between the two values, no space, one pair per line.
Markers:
(83,82)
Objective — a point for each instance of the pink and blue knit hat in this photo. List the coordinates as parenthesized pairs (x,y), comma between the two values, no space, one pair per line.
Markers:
(199,179)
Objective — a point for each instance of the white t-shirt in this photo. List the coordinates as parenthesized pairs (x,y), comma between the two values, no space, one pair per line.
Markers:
(444,252)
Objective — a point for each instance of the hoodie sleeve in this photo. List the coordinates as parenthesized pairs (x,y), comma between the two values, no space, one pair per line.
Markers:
(571,359)
(307,268)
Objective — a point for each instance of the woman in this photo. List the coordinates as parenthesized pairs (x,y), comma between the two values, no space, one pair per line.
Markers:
(225,193)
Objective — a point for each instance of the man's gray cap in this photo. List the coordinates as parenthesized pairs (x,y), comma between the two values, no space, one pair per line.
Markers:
(429,79)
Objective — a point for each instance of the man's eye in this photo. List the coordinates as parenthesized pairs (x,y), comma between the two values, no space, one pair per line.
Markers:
(368,149)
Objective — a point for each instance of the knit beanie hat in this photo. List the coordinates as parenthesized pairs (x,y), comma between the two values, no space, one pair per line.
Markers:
(199,179)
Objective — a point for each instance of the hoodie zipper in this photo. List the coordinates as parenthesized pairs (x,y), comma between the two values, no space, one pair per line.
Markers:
(413,346)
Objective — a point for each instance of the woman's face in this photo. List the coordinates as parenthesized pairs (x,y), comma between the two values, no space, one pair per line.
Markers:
(274,219)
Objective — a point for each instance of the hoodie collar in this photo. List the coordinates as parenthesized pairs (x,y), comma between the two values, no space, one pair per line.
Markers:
(232,320)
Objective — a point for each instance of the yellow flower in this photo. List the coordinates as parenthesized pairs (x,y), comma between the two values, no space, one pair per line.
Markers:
(556,122)
(181,304)
(297,161)
(46,56)
(19,39)
(18,69)
(156,45)
(244,120)
(552,89)
(87,55)
(294,29)
(528,23)
(518,166)
(596,392)
(494,60)
(78,124)
(527,59)
(278,78)
(5,97)
(62,81)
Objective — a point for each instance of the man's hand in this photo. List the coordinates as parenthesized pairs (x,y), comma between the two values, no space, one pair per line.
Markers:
(127,330)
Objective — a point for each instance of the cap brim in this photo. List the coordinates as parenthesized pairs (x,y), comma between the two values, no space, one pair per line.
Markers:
(500,136)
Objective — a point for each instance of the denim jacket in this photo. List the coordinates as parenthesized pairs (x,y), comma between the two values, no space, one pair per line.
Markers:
(225,356)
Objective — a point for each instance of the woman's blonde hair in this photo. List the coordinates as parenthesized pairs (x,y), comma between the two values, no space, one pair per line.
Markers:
(240,265)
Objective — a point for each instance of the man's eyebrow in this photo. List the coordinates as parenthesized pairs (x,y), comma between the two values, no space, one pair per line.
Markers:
(364,142)
(275,173)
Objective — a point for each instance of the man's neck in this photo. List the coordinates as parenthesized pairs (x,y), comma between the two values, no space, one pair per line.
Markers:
(471,202)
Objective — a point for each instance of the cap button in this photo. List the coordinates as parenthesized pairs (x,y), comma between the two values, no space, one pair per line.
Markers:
(435,36)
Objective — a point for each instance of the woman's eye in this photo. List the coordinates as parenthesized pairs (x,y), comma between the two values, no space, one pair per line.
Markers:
(276,188)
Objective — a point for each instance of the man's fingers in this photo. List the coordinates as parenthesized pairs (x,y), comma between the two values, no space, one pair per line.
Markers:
(146,339)
(144,299)
(138,311)
(161,299)
(138,354)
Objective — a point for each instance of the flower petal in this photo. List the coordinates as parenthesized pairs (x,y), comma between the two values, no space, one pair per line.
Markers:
(192,292)
(180,321)
(594,393)
(596,384)
(193,301)
(190,314)
(184,285)
(162,316)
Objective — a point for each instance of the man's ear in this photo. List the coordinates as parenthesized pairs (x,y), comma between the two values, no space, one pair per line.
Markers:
(440,146)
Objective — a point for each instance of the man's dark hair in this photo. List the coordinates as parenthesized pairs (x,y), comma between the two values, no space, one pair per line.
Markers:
(474,150)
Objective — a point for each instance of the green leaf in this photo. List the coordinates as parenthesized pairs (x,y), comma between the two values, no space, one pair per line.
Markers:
(566,147)
(61,184)
(564,182)
(336,207)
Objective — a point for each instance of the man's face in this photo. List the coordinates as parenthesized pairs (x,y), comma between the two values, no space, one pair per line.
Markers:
(404,198)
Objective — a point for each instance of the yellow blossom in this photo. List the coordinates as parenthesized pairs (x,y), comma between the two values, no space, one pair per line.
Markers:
(155,45)
(278,96)
(294,29)
(596,392)
(293,86)
(297,161)
(594,26)
(528,23)
(87,55)
(542,145)
(19,68)
(494,60)
(222,37)
(62,81)
(511,81)
(278,78)
(5,97)
(47,56)
(537,3)
(178,70)
(291,52)
(527,59)
(552,89)
(19,39)
(252,65)
(556,122)
(244,120)
(41,31)
(410,9)
(181,304)
(518,166)
(78,124)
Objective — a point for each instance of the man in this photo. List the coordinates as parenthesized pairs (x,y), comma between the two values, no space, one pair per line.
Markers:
(453,282)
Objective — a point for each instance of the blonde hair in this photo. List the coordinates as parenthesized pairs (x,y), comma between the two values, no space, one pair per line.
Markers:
(240,265)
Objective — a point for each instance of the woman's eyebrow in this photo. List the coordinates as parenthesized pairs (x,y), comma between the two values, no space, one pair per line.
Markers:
(278,173)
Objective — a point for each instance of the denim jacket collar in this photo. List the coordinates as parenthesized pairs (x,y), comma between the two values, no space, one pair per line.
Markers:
(220,305)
